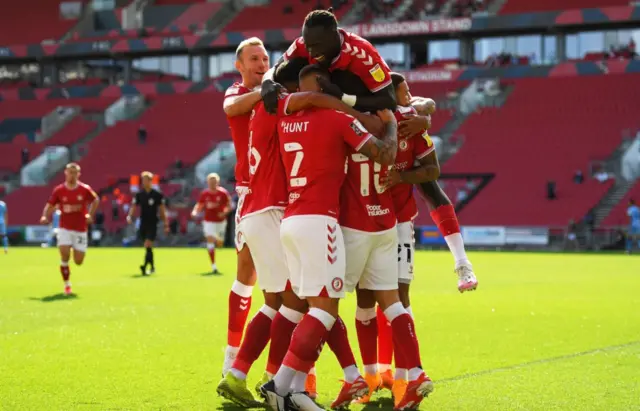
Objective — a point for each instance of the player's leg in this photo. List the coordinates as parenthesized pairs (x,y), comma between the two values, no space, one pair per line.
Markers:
(240,294)
(79,246)
(65,241)
(211,234)
(444,216)
(5,240)
(367,331)
(315,249)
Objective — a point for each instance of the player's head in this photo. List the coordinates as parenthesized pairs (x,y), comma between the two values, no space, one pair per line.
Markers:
(72,173)
(213,180)
(321,36)
(147,179)
(403,94)
(309,77)
(288,73)
(252,61)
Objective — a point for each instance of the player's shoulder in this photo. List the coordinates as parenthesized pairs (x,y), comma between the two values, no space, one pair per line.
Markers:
(60,187)
(85,186)
(223,190)
(353,39)
(236,89)
(296,47)
(2,204)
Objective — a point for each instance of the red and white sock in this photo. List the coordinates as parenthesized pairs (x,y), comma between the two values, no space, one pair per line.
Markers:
(255,340)
(367,330)
(338,342)
(385,342)
(445,218)
(65,271)
(239,306)
(404,339)
(211,248)
(305,347)
(282,328)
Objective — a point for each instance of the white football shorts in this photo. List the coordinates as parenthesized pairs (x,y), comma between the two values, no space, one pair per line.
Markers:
(314,250)
(371,259)
(214,229)
(76,239)
(406,251)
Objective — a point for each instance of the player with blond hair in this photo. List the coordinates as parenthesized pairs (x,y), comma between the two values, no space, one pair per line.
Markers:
(216,203)
(78,204)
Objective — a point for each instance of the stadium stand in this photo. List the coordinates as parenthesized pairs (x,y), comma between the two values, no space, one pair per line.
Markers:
(547,129)
(618,216)
(528,6)
(43,25)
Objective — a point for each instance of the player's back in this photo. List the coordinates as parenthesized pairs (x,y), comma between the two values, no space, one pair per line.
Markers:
(267,181)
(363,196)
(239,126)
(312,144)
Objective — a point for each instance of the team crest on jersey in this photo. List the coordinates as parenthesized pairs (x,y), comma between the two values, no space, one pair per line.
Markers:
(79,198)
(426,137)
(403,145)
(151,201)
(377,73)
(337,284)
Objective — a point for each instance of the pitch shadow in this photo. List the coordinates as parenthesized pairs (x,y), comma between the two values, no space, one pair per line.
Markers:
(211,274)
(55,297)
(379,404)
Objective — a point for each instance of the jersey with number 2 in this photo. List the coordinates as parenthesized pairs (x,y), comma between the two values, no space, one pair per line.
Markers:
(314,145)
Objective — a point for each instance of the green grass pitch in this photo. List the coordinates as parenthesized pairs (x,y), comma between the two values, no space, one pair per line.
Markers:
(543,332)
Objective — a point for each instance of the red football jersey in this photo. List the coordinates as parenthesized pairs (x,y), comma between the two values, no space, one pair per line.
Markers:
(239,126)
(364,204)
(357,56)
(73,204)
(268,180)
(313,149)
(214,203)
(409,151)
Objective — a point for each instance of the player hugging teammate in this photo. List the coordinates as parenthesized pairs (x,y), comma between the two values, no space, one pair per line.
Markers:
(340,201)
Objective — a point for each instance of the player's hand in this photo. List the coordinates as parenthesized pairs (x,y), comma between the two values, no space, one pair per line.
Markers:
(412,125)
(194,215)
(88,218)
(128,219)
(386,116)
(270,92)
(44,220)
(328,87)
(390,179)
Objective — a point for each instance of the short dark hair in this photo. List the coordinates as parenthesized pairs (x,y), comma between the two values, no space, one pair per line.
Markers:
(321,18)
(313,69)
(632,201)
(397,79)
(289,70)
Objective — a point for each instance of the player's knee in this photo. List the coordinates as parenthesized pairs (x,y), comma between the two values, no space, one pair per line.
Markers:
(365,298)
(330,305)
(272,300)
(78,259)
(403,291)
(386,298)
(292,301)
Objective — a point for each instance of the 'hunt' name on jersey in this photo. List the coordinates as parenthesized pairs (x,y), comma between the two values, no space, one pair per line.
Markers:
(295,126)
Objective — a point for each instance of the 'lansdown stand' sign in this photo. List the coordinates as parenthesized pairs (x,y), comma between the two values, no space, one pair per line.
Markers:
(410,28)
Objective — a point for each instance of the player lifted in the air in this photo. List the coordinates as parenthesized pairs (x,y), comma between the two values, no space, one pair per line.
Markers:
(216,203)
(4,223)
(78,204)
(252,61)
(313,145)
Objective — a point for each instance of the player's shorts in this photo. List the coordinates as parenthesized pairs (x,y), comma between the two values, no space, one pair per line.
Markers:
(76,239)
(215,229)
(314,251)
(371,260)
(148,231)
(406,251)
(261,232)
(239,238)
(634,230)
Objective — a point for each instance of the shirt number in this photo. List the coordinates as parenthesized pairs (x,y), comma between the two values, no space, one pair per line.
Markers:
(365,173)
(294,180)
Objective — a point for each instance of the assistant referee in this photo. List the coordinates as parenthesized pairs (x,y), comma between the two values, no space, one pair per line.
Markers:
(150,202)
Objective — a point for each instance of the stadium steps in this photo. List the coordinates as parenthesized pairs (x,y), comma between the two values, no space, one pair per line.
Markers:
(612,198)
(84,23)
(79,148)
(354,15)
(223,17)
(495,6)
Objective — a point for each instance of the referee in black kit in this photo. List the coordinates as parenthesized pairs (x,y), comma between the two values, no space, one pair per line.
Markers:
(150,201)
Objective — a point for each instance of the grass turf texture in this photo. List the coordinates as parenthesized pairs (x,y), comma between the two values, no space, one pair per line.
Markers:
(543,332)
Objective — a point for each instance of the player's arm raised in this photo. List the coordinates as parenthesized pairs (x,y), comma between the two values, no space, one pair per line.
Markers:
(380,100)
(303,100)
(383,151)
(428,170)
(239,105)
(423,105)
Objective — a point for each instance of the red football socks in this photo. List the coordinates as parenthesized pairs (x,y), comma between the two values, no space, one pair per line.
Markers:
(338,342)
(239,306)
(367,330)
(404,336)
(212,253)
(306,344)
(255,340)
(445,218)
(65,271)
(281,331)
(385,341)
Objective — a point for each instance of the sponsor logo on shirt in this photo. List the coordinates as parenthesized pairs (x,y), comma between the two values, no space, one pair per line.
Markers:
(293,197)
(376,210)
(377,73)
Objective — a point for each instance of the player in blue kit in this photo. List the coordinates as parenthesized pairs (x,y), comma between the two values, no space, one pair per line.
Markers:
(634,225)
(4,223)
